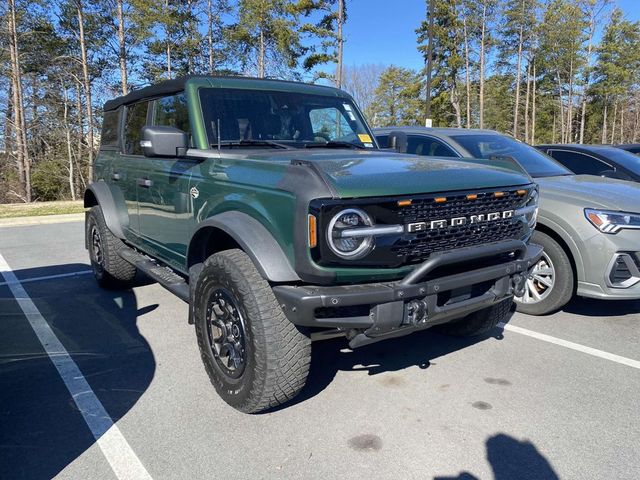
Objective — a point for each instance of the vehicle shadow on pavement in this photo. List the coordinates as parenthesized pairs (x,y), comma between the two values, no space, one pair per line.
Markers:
(591,307)
(417,349)
(511,459)
(42,430)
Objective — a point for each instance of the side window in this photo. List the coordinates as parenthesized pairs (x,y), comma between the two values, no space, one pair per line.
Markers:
(329,124)
(110,122)
(172,112)
(580,163)
(383,141)
(419,145)
(136,118)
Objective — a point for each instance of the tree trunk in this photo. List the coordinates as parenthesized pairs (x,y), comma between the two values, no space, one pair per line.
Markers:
(604,123)
(167,33)
(622,123)
(467,73)
(122,50)
(482,62)
(592,25)
(526,104)
(210,34)
(67,131)
(86,85)
(20,126)
(261,55)
(518,74)
(455,103)
(569,133)
(613,122)
(561,108)
(340,43)
(533,106)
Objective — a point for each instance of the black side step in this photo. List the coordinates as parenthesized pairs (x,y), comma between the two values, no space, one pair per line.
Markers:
(163,275)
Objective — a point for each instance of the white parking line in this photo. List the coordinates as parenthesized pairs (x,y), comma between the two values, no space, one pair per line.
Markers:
(122,459)
(50,277)
(573,346)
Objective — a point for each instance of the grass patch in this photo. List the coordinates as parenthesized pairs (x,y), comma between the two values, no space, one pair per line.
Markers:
(13,210)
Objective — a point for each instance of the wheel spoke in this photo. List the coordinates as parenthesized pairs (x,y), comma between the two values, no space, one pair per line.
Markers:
(533,290)
(547,281)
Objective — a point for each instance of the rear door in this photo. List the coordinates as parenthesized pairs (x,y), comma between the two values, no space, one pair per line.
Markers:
(164,199)
(130,165)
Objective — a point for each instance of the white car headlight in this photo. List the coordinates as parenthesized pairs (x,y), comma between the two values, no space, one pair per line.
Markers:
(347,246)
(612,222)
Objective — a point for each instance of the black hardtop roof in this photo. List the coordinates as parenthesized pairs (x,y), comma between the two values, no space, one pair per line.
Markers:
(176,85)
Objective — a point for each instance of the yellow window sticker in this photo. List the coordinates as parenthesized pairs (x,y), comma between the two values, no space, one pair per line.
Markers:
(364,138)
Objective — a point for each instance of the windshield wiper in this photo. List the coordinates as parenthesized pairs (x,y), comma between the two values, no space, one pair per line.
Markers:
(251,143)
(333,144)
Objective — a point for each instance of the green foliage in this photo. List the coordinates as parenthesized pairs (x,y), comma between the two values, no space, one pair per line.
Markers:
(397,98)
(48,180)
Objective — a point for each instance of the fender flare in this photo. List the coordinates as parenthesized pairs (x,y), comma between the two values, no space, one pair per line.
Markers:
(113,217)
(256,241)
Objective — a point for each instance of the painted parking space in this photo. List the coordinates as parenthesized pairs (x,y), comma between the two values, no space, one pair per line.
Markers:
(427,405)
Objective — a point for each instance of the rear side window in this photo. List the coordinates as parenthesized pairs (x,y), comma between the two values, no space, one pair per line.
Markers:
(427,146)
(110,121)
(579,163)
(383,141)
(172,112)
(136,119)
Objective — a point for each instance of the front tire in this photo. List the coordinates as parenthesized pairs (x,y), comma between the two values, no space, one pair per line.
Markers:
(255,358)
(550,284)
(480,322)
(109,268)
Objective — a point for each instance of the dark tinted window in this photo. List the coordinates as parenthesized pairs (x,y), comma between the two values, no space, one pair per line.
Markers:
(291,118)
(110,123)
(626,159)
(172,112)
(580,163)
(383,141)
(420,145)
(136,118)
(536,163)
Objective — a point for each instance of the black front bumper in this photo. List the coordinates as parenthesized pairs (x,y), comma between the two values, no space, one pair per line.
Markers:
(430,294)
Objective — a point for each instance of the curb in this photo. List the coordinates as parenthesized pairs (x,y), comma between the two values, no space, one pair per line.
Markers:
(41,220)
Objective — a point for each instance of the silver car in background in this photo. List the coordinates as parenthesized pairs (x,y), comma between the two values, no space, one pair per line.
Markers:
(589,226)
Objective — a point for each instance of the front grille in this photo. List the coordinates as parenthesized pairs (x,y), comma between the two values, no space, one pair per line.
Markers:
(414,247)
(417,247)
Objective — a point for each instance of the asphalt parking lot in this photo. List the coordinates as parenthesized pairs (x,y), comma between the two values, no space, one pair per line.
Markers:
(554,397)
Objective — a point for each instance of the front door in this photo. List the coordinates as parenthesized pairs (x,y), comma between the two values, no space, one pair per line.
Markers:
(165,203)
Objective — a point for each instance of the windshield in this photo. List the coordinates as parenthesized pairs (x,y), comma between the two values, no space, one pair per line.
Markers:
(299,120)
(536,163)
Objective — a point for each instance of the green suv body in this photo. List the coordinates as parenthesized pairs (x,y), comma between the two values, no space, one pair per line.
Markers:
(268,206)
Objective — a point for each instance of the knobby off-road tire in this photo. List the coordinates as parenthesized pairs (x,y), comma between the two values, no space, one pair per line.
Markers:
(478,322)
(109,268)
(265,360)
(556,261)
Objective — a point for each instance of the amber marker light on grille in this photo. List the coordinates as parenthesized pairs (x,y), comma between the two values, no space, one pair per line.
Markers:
(521,192)
(498,194)
(313,233)
(404,203)
(472,196)
(440,199)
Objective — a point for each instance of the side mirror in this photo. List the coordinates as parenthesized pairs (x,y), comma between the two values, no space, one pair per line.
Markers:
(614,174)
(398,141)
(160,141)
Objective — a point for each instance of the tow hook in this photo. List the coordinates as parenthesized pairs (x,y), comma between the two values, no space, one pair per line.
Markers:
(518,284)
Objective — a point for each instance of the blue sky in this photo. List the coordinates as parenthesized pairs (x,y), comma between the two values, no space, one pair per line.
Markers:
(383,31)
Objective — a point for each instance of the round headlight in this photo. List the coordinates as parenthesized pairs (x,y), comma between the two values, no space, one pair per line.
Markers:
(351,246)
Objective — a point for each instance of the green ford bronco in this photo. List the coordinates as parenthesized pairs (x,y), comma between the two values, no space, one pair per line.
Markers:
(268,207)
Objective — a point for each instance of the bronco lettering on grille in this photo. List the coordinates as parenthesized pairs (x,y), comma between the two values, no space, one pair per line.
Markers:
(459,221)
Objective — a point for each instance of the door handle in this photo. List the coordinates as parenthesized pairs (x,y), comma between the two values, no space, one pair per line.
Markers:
(116,176)
(144,182)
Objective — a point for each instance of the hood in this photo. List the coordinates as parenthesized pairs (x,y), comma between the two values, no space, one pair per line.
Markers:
(590,191)
(374,173)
